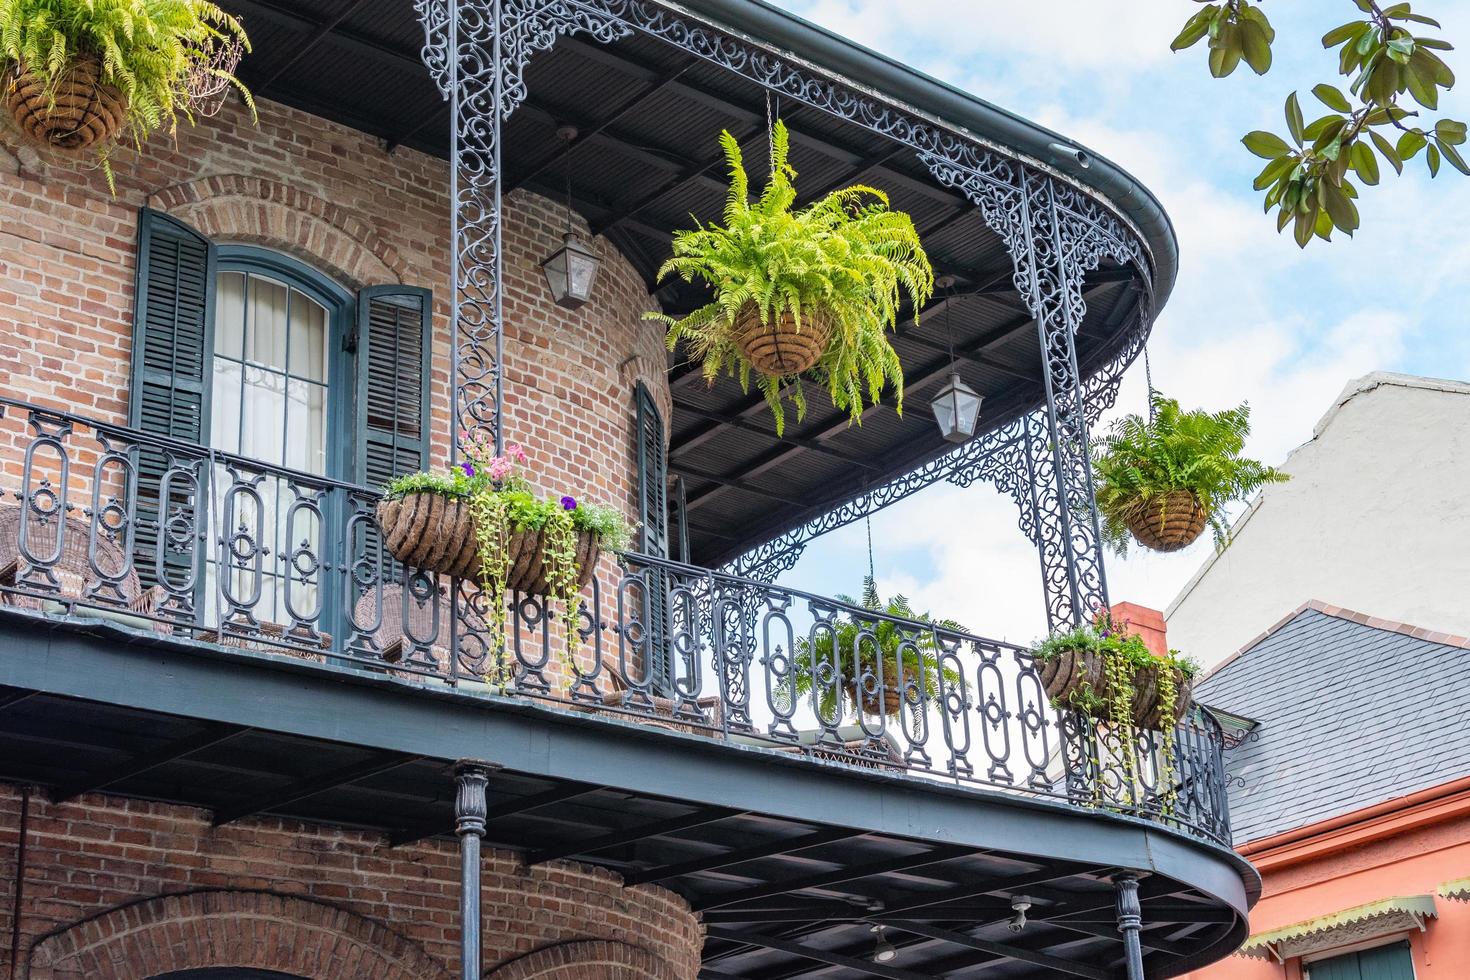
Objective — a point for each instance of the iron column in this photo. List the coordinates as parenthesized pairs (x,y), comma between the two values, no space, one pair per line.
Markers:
(469,823)
(1130,922)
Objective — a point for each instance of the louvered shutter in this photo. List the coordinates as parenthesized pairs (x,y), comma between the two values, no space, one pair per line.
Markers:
(653,477)
(653,514)
(393,349)
(172,341)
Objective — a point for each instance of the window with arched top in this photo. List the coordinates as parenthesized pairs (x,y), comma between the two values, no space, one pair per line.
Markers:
(227,973)
(243,350)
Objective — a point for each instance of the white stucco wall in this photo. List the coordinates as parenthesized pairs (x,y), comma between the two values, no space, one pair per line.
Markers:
(1376,519)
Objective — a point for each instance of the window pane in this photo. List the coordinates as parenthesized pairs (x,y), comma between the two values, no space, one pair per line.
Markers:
(306,441)
(229,317)
(308,338)
(224,412)
(266,337)
(264,423)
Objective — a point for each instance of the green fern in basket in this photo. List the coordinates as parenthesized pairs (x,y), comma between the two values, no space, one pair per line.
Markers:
(160,53)
(917,661)
(1198,451)
(848,253)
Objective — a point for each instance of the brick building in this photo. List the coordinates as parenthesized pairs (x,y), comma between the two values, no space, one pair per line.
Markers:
(237,743)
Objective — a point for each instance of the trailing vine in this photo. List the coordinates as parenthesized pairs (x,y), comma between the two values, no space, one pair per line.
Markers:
(1126,665)
(503,503)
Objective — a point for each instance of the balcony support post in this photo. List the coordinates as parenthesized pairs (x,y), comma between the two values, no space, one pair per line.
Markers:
(470,779)
(1056,235)
(1130,923)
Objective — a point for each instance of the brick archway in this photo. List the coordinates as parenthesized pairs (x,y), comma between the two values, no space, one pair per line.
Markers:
(255,930)
(259,211)
(588,960)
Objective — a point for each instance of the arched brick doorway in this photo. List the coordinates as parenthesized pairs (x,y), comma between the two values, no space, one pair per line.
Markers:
(229,935)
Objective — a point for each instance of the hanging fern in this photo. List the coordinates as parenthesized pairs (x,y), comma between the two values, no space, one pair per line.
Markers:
(1198,451)
(847,253)
(158,53)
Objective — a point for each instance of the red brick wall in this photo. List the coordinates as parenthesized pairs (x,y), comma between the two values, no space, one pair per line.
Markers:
(332,197)
(126,890)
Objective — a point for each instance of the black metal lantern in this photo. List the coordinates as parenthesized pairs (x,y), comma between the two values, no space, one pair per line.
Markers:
(957,405)
(571,272)
(957,409)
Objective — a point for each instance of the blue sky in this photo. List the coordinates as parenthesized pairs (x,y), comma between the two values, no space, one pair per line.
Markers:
(1252,317)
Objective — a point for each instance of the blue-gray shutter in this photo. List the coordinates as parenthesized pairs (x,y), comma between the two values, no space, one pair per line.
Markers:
(653,515)
(173,320)
(394,326)
(1392,962)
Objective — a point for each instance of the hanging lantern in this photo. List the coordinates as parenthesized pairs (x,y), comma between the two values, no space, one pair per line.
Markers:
(957,406)
(571,272)
(957,409)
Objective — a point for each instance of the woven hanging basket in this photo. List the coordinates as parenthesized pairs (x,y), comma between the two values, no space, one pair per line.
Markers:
(1148,705)
(888,702)
(1071,672)
(528,568)
(430,531)
(79,112)
(1167,522)
(780,348)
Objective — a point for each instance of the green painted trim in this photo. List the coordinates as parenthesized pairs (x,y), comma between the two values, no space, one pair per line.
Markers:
(1417,905)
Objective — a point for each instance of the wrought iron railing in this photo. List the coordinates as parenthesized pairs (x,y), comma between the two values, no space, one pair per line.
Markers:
(104,522)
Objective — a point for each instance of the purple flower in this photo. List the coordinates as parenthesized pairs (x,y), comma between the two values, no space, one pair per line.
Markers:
(569,503)
(468,467)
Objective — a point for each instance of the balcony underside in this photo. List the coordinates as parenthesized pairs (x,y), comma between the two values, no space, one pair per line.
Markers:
(788,886)
(648,160)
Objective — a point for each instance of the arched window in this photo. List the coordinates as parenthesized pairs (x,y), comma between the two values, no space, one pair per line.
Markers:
(280,378)
(227,973)
(244,350)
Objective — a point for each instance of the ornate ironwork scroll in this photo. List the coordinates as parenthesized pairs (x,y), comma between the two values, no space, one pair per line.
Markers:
(478,53)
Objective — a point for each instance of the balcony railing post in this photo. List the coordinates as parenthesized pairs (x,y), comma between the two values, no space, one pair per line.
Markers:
(1130,923)
(470,779)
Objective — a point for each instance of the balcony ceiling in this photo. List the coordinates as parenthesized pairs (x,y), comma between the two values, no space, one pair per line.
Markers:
(646,160)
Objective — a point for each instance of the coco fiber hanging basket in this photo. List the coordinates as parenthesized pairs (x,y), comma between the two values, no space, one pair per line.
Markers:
(78,112)
(1168,522)
(781,348)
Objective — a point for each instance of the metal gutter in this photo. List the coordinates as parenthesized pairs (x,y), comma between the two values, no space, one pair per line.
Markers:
(959,110)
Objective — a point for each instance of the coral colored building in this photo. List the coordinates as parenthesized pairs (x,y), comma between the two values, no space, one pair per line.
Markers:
(1351,795)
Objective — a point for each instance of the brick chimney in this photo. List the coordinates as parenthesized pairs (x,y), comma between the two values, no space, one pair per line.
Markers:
(1145,623)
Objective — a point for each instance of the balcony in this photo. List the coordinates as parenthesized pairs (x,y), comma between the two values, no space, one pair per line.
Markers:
(271,592)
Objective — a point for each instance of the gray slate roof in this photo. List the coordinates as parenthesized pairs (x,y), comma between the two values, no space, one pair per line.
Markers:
(1349,715)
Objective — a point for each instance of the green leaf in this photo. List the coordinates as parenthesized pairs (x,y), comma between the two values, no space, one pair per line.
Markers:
(1450,131)
(1331,97)
(1346,32)
(1255,47)
(1419,19)
(1368,41)
(1400,48)
(1303,230)
(1225,56)
(1194,29)
(1273,172)
(1453,156)
(1411,143)
(1389,153)
(1421,88)
(1266,145)
(1432,156)
(1294,117)
(1365,163)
